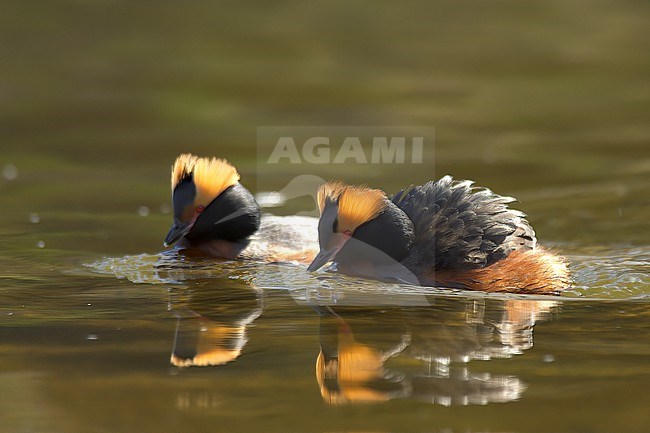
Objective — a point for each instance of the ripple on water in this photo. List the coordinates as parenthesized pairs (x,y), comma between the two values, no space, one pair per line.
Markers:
(622,273)
(168,268)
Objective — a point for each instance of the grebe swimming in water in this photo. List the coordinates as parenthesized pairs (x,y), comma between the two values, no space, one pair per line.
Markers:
(215,215)
(443,233)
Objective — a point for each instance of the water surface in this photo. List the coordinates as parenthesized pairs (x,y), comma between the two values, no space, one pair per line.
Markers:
(102,331)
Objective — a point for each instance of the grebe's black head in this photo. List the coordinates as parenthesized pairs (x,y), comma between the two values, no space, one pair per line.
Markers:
(209,202)
(360,225)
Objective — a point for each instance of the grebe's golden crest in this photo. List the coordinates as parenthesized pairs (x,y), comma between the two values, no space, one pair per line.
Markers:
(356,204)
(211,176)
(329,191)
(182,168)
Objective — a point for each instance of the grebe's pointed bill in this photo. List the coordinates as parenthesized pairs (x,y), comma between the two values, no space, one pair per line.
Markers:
(328,254)
(329,240)
(321,260)
(177,231)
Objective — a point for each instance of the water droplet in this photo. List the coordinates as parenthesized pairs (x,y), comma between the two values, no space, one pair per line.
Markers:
(34,218)
(548,358)
(143,211)
(89,304)
(40,244)
(10,172)
(92,337)
(165,209)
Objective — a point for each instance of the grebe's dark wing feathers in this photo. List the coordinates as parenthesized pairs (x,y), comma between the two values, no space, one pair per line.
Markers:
(461,227)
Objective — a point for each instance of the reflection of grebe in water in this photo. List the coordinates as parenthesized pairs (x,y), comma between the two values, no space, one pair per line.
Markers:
(347,370)
(211,327)
(426,358)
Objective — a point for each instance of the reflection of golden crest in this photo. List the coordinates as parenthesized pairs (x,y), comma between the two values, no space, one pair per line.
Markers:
(209,330)
(355,365)
(442,338)
(351,372)
(212,344)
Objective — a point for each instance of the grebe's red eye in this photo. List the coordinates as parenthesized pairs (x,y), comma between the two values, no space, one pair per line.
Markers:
(347,233)
(200,208)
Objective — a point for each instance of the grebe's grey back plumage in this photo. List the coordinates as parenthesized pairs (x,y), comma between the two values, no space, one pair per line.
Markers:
(461,227)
